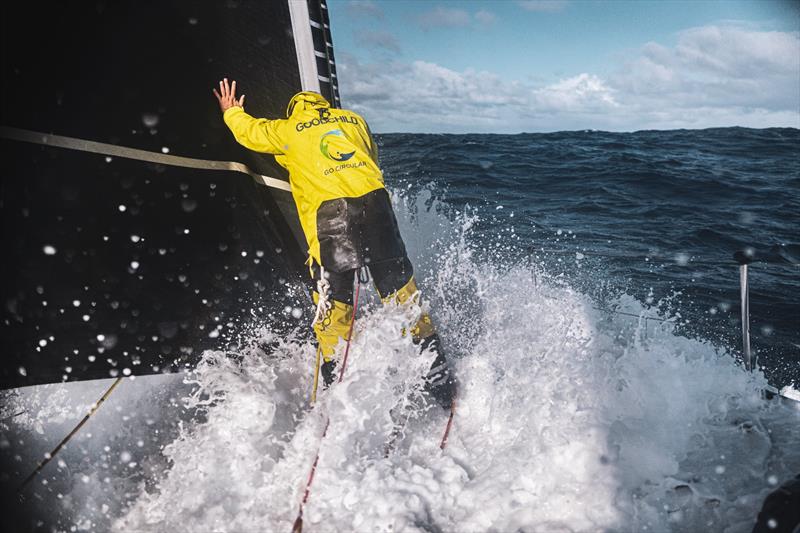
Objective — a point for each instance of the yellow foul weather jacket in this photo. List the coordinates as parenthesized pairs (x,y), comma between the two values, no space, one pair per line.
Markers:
(329,153)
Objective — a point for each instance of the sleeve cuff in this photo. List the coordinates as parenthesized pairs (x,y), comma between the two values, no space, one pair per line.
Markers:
(230,112)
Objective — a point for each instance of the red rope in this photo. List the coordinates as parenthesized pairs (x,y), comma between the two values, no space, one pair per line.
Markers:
(449,424)
(350,333)
(298,522)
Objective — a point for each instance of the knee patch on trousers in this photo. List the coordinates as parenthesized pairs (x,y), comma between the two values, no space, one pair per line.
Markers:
(335,326)
(409,292)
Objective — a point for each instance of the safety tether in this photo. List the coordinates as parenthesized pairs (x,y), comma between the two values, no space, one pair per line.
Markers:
(82,145)
(297,527)
(350,333)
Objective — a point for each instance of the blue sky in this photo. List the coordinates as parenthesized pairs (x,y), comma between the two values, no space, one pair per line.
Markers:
(548,65)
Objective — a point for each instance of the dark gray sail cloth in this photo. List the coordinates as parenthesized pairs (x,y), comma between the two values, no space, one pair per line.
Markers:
(356,232)
(118,264)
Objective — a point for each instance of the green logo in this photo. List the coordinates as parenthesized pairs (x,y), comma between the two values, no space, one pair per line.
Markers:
(330,151)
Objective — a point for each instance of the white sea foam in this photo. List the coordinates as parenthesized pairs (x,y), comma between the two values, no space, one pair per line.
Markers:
(569,419)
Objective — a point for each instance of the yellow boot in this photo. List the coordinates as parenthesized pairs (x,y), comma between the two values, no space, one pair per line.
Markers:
(409,292)
(335,326)
(440,382)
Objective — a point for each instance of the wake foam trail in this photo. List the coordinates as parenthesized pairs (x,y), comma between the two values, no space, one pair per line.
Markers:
(570,419)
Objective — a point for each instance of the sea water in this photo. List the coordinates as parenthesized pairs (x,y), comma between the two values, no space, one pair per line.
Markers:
(653,214)
(592,395)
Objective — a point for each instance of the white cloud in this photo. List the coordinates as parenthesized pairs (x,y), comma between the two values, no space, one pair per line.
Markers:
(426,97)
(546,6)
(443,17)
(376,39)
(364,8)
(583,93)
(485,18)
(717,67)
(738,52)
(713,76)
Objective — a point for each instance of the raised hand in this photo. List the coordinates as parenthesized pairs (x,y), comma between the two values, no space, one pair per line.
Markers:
(227,95)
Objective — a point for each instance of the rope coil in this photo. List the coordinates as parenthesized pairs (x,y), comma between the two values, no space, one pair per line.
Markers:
(323,313)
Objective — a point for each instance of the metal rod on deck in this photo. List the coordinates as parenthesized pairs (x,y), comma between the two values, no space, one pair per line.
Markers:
(744,258)
(745,293)
(49,456)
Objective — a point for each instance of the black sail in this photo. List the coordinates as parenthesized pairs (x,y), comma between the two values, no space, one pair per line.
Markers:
(113,265)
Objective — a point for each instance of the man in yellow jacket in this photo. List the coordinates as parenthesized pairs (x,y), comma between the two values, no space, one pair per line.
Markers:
(345,213)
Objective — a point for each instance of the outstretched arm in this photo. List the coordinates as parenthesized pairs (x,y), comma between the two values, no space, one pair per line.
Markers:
(258,134)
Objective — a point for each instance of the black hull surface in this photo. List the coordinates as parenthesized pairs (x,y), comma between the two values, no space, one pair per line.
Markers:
(113,265)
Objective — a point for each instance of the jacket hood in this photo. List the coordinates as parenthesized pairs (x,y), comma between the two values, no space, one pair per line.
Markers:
(306,100)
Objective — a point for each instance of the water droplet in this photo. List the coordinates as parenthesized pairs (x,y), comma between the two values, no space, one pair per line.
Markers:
(150,119)
(188,205)
(682,259)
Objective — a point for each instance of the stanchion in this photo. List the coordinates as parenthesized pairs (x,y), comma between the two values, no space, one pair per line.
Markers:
(744,258)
